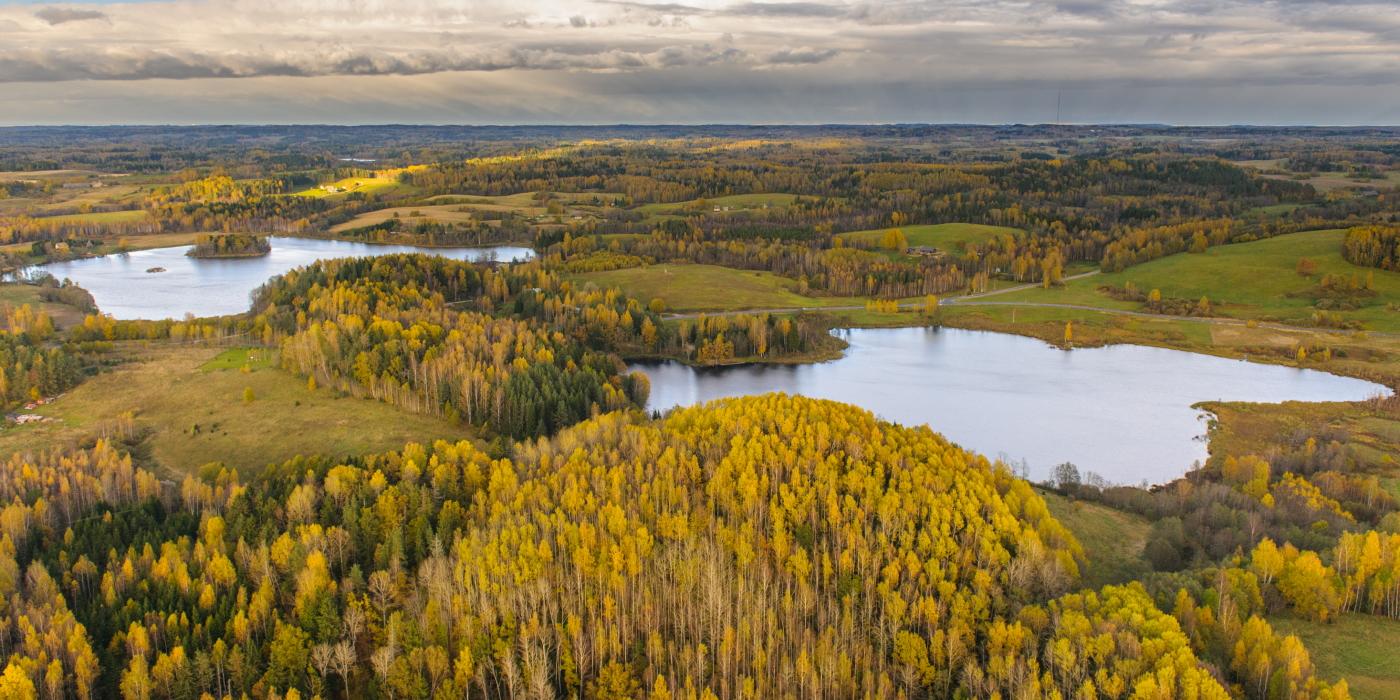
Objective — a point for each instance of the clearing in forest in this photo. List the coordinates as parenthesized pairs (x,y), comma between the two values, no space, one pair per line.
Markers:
(689,287)
(953,238)
(192,401)
(1359,648)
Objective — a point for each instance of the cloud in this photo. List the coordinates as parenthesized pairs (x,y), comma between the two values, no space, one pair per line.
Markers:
(786,9)
(62,15)
(182,65)
(804,55)
(886,55)
(663,7)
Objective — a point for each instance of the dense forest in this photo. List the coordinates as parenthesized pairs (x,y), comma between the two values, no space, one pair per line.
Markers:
(769,547)
(1373,246)
(1113,203)
(568,542)
(31,367)
(230,245)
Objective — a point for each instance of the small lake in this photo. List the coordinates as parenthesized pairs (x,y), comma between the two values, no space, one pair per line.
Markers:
(1122,411)
(204,287)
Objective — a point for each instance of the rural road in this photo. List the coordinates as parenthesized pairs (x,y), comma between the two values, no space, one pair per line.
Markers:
(977,300)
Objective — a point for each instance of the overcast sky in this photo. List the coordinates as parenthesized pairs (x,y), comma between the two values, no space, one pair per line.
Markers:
(700,61)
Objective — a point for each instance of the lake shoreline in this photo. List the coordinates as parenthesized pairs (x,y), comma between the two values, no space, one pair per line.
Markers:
(220,286)
(179,239)
(1036,404)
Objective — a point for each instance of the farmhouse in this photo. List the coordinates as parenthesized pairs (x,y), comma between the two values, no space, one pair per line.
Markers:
(925,251)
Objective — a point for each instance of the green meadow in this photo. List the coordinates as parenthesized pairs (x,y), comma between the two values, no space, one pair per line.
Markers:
(1256,280)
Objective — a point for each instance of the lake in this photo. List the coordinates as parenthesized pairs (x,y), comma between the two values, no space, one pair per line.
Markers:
(216,287)
(1122,411)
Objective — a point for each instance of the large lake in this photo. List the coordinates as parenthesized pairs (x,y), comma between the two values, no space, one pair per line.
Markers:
(122,287)
(1122,411)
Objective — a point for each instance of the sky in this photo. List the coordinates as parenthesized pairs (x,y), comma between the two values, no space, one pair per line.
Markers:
(1285,62)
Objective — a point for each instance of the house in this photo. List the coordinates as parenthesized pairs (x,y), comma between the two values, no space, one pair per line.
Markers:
(925,251)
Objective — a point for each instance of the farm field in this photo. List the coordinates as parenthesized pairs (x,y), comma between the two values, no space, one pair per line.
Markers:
(466,208)
(1325,181)
(710,288)
(1255,280)
(950,237)
(442,213)
(525,201)
(105,217)
(380,183)
(729,204)
(115,193)
(190,399)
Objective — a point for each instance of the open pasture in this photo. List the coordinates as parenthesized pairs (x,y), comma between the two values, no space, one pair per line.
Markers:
(1255,280)
(954,237)
(710,288)
(189,403)
(730,204)
(1359,648)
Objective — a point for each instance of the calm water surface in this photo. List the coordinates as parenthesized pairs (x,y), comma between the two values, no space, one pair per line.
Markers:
(202,287)
(1123,411)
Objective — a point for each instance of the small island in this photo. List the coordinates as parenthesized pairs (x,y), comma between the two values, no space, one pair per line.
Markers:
(230,245)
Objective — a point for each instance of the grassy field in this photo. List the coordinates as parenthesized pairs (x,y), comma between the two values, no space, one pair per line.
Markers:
(1327,182)
(104,217)
(1256,280)
(1272,211)
(442,213)
(115,245)
(380,183)
(528,200)
(1359,648)
(731,203)
(96,190)
(1369,431)
(17,295)
(190,399)
(709,288)
(11,175)
(1321,181)
(464,208)
(1113,540)
(1366,356)
(949,237)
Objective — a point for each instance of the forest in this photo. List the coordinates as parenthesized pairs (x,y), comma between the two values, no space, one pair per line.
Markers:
(229,245)
(721,551)
(571,540)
